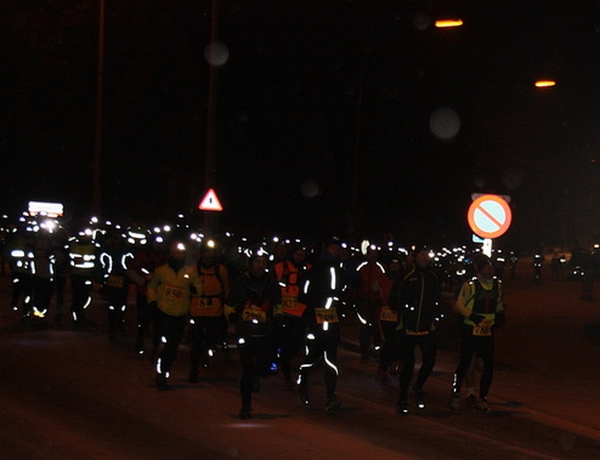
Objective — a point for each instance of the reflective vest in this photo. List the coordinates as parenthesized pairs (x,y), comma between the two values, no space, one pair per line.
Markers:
(19,255)
(44,261)
(215,285)
(484,299)
(82,258)
(370,278)
(287,276)
(171,290)
(114,265)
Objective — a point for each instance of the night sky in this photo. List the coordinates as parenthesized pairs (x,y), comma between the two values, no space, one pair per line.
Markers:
(332,116)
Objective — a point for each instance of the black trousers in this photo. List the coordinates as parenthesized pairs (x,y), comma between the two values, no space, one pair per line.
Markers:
(171,330)
(42,292)
(427,345)
(22,288)
(390,345)
(255,356)
(290,341)
(369,333)
(81,288)
(146,317)
(116,298)
(322,344)
(484,349)
(205,332)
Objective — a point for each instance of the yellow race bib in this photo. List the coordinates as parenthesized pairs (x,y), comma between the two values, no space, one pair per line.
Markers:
(254,313)
(483,329)
(291,306)
(387,314)
(328,315)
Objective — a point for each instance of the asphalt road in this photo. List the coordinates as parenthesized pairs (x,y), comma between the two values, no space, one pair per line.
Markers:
(67,394)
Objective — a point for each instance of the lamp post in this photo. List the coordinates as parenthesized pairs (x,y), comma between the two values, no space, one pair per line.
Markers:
(97,183)
(211,123)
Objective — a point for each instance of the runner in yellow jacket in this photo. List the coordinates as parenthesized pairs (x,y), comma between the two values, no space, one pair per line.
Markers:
(170,289)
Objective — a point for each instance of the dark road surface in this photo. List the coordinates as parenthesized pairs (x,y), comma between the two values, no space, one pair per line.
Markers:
(67,394)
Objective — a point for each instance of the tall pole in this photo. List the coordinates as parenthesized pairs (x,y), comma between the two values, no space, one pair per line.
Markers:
(211,125)
(354,217)
(211,122)
(97,185)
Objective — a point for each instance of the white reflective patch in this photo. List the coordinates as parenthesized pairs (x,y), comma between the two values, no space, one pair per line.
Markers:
(330,364)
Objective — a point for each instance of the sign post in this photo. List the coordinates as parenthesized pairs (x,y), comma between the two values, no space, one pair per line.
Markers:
(489,217)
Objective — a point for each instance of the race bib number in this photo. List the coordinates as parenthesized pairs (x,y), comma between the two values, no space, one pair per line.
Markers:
(291,306)
(174,292)
(328,315)
(387,314)
(204,302)
(289,302)
(254,313)
(483,329)
(115,281)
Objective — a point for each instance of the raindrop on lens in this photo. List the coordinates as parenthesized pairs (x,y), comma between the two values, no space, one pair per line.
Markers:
(216,53)
(444,123)
(421,21)
(309,188)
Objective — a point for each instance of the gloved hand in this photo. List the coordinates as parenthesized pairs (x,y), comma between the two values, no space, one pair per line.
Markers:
(500,318)
(476,318)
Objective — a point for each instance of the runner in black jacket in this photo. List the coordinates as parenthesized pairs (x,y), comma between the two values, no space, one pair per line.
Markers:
(416,298)
(323,293)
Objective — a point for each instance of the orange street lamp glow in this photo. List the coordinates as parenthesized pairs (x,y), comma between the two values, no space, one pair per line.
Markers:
(544,83)
(444,23)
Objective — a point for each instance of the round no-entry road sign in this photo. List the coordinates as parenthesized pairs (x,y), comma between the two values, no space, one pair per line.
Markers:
(489,216)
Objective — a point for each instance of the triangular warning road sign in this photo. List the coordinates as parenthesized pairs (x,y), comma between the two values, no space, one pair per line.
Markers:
(210,202)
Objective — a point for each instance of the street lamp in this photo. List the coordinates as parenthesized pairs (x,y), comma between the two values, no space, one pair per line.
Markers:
(545,83)
(447,23)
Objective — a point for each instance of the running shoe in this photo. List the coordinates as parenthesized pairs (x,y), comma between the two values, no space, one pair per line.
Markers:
(402,407)
(471,401)
(418,392)
(246,413)
(455,402)
(303,393)
(482,405)
(333,403)
(161,382)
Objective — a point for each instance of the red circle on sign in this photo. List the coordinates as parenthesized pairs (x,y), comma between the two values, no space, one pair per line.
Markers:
(489,216)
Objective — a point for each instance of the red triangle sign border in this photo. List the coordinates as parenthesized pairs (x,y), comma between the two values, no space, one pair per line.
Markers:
(210,202)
